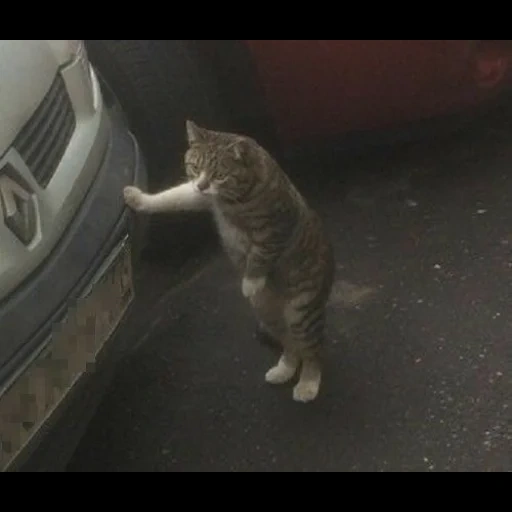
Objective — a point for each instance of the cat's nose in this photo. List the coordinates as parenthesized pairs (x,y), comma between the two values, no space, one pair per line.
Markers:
(202,184)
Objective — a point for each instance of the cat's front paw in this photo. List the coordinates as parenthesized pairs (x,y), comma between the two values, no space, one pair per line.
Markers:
(134,198)
(250,287)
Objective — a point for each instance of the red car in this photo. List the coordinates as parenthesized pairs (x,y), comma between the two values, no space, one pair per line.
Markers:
(319,88)
(291,91)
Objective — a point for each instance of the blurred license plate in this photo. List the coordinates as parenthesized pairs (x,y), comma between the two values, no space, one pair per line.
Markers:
(72,351)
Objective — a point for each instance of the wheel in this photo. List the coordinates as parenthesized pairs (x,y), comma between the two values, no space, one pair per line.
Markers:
(159,84)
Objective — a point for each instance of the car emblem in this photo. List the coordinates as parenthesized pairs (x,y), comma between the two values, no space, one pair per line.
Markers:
(18,206)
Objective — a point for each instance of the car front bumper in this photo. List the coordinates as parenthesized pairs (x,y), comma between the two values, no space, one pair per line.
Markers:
(101,233)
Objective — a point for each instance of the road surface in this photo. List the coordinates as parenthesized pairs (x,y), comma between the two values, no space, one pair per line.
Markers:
(418,370)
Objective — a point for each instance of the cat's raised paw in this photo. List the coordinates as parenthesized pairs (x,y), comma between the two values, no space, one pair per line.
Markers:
(134,198)
(250,287)
(306,391)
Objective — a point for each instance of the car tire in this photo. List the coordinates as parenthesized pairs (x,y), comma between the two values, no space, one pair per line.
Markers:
(159,84)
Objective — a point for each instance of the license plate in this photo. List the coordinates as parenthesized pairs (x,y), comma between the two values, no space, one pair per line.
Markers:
(71,352)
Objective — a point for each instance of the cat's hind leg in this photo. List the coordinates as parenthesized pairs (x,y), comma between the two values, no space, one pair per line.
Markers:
(269,310)
(306,331)
(306,390)
(285,369)
(266,338)
(289,360)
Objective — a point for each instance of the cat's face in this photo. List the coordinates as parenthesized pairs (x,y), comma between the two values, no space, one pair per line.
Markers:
(216,162)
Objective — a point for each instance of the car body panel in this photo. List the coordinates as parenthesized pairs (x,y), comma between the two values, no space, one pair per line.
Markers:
(319,88)
(66,158)
(100,224)
(27,69)
(56,203)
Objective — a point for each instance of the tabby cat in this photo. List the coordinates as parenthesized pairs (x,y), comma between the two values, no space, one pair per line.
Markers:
(275,240)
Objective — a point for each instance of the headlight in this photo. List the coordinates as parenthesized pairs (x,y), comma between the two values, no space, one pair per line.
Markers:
(68,50)
(77,49)
(72,52)
(79,55)
(72,58)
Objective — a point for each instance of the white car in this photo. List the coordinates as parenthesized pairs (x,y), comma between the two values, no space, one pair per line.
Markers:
(66,247)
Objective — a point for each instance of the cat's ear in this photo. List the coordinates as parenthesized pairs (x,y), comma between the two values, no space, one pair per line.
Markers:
(241,151)
(195,133)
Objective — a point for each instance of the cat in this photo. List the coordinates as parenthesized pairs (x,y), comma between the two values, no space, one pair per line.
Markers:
(275,240)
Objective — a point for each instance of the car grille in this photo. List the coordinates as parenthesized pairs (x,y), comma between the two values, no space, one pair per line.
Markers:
(45,137)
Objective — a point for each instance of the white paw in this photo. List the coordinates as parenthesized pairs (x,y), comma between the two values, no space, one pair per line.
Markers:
(250,287)
(280,374)
(134,198)
(306,391)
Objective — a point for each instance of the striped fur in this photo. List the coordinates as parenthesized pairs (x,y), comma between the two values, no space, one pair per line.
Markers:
(273,237)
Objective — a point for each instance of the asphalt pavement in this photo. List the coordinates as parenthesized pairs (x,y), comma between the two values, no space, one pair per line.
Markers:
(418,368)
